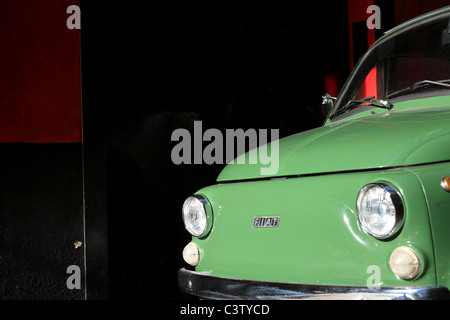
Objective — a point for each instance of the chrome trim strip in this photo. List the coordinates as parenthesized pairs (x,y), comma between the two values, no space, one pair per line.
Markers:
(211,287)
(209,214)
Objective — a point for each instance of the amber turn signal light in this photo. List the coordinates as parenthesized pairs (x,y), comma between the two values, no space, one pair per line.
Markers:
(445,184)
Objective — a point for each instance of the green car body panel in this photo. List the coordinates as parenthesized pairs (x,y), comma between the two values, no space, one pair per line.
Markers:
(321,171)
(319,239)
(406,136)
(438,203)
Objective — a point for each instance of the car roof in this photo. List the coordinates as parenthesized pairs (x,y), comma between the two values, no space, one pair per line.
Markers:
(418,18)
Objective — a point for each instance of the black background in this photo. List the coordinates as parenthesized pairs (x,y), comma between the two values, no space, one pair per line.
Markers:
(150,69)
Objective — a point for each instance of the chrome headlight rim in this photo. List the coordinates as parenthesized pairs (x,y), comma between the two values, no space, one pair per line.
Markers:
(208,212)
(397,201)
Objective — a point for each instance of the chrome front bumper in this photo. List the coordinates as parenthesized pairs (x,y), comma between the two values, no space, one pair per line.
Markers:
(211,287)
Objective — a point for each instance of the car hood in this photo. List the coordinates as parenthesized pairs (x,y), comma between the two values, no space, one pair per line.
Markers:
(390,139)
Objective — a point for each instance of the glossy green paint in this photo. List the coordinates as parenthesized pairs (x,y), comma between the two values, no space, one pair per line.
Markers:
(438,202)
(414,132)
(319,239)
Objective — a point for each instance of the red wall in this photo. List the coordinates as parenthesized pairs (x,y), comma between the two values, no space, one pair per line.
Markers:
(40,77)
(357,11)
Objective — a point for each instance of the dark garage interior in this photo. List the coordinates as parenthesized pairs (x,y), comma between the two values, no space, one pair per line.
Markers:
(164,68)
(86,118)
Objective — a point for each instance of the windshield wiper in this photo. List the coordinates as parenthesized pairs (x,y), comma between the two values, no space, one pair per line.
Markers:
(419,86)
(385,104)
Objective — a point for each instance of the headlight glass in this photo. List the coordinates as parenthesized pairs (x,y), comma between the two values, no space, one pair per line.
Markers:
(197,215)
(380,210)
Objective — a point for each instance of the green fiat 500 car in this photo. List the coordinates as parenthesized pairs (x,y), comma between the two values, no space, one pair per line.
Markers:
(358,208)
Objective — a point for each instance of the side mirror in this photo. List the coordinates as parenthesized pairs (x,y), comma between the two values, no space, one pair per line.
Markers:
(327,103)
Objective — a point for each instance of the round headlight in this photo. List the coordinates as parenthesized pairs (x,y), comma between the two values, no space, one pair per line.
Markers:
(197,215)
(380,210)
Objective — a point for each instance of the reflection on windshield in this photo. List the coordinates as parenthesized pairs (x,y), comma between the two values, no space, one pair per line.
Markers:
(399,61)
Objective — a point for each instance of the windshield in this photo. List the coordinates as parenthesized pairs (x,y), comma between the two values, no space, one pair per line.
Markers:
(398,61)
